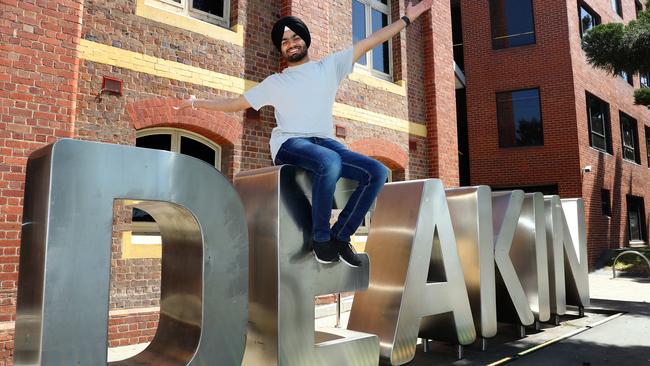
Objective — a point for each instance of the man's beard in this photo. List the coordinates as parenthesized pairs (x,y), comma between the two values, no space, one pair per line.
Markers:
(297,57)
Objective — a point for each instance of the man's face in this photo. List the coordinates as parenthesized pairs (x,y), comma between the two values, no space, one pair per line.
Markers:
(293,48)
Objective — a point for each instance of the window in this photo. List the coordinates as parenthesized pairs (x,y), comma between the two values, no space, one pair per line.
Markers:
(636,219)
(630,139)
(638,7)
(174,140)
(617,7)
(606,201)
(519,118)
(369,16)
(625,76)
(644,80)
(647,143)
(599,124)
(211,11)
(512,23)
(588,18)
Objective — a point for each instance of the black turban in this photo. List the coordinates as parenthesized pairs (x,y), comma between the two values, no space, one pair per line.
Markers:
(295,24)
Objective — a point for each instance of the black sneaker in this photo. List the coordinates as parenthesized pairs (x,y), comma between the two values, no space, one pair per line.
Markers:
(348,254)
(325,252)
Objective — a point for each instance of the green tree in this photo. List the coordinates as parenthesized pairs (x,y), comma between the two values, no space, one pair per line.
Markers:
(616,47)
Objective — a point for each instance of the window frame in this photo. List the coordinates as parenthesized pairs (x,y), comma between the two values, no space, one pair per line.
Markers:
(645,77)
(639,203)
(635,137)
(647,143)
(541,121)
(607,124)
(493,37)
(594,15)
(617,6)
(606,202)
(186,8)
(368,69)
(150,228)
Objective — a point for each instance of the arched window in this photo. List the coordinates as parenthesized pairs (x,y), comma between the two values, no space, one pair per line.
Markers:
(144,230)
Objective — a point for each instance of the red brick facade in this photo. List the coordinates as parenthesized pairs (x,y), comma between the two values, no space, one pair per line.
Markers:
(556,65)
(49,90)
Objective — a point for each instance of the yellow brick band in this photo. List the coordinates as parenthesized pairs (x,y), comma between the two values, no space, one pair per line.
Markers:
(376,83)
(108,55)
(235,36)
(377,119)
(96,52)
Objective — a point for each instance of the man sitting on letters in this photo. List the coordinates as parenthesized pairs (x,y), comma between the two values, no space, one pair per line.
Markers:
(303,96)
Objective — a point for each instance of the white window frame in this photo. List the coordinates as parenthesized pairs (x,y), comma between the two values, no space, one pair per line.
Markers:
(186,8)
(368,69)
(176,134)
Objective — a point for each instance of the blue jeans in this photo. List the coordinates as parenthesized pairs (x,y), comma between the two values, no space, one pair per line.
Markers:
(330,160)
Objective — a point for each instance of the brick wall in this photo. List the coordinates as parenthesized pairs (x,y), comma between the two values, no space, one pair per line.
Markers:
(621,177)
(38,84)
(556,65)
(51,70)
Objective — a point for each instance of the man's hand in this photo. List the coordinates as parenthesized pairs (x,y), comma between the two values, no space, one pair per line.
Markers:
(413,12)
(389,31)
(187,103)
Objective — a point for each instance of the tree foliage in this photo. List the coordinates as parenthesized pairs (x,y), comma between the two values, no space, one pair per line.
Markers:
(615,47)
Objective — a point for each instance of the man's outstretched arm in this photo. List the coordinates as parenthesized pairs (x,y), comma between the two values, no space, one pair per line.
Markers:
(222,104)
(389,31)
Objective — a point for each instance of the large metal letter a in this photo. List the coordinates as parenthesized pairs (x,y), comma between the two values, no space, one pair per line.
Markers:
(63,293)
(416,281)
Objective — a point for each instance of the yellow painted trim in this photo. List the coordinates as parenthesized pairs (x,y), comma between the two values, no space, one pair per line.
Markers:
(97,52)
(377,119)
(100,53)
(134,251)
(377,83)
(234,36)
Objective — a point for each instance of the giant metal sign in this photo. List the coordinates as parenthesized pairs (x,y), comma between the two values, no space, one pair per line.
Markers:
(437,263)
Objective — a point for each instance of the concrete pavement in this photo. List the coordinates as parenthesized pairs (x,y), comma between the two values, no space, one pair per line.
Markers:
(614,331)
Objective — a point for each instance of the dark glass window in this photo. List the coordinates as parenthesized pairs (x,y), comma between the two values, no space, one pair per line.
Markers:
(588,18)
(519,118)
(629,137)
(380,55)
(158,142)
(457,34)
(644,80)
(359,25)
(627,77)
(617,7)
(214,7)
(647,143)
(369,16)
(512,23)
(636,218)
(606,201)
(198,150)
(599,124)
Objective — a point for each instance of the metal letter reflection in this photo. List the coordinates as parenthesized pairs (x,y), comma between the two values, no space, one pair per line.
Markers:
(416,282)
(63,293)
(286,278)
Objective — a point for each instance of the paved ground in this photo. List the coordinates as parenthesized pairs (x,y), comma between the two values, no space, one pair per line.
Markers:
(615,331)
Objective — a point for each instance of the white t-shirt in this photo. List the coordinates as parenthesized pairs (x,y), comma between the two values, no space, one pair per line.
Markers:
(303,97)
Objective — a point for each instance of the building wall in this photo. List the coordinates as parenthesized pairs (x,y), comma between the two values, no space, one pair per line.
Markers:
(621,177)
(489,71)
(54,56)
(556,65)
